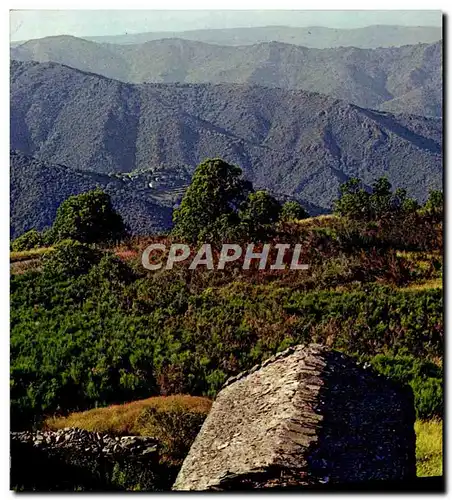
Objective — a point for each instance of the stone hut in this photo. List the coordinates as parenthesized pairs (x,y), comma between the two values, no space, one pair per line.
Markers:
(307,416)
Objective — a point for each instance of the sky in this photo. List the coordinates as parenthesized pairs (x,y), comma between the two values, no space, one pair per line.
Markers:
(28,24)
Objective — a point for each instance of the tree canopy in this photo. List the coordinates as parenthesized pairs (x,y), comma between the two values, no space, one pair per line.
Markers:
(89,218)
(292,210)
(210,205)
(357,202)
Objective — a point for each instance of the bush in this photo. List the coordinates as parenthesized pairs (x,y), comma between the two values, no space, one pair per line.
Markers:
(175,428)
(71,258)
(89,218)
(424,377)
(292,210)
(27,241)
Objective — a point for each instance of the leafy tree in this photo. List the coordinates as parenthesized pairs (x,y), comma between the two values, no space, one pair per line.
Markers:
(260,211)
(261,208)
(381,198)
(209,208)
(292,210)
(379,202)
(89,218)
(434,206)
(27,241)
(353,201)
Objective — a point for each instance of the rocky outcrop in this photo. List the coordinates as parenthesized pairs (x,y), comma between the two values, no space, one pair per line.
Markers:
(94,443)
(307,416)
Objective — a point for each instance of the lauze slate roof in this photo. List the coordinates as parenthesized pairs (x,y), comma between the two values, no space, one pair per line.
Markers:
(307,416)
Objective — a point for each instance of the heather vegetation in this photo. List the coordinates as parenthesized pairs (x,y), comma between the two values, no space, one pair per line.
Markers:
(91,327)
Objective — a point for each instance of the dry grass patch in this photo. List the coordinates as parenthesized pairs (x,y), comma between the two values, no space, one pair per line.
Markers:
(424,285)
(125,419)
(29,254)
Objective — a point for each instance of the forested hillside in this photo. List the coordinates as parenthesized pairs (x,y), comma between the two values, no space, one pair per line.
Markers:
(403,79)
(38,188)
(295,143)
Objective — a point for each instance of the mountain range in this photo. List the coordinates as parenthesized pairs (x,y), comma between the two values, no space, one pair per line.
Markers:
(320,37)
(405,79)
(295,143)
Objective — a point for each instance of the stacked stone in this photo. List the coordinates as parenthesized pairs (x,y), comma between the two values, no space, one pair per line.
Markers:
(80,440)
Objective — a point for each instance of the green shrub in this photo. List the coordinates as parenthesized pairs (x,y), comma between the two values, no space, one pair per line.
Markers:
(292,210)
(71,258)
(424,377)
(176,428)
(27,241)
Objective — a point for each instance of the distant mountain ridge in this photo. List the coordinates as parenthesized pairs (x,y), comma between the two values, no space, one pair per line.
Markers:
(404,79)
(296,143)
(320,37)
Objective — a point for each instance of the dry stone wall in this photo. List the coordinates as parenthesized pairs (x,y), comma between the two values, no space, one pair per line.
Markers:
(94,443)
(77,460)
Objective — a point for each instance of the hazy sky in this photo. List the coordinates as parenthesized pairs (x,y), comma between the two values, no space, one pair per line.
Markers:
(27,24)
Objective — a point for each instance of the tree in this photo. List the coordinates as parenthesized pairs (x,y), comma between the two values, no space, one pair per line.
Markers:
(353,201)
(379,202)
(434,206)
(259,212)
(89,218)
(292,210)
(380,198)
(209,208)
(260,208)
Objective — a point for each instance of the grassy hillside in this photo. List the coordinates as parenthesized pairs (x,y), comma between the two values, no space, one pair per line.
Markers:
(92,326)
(90,334)
(180,331)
